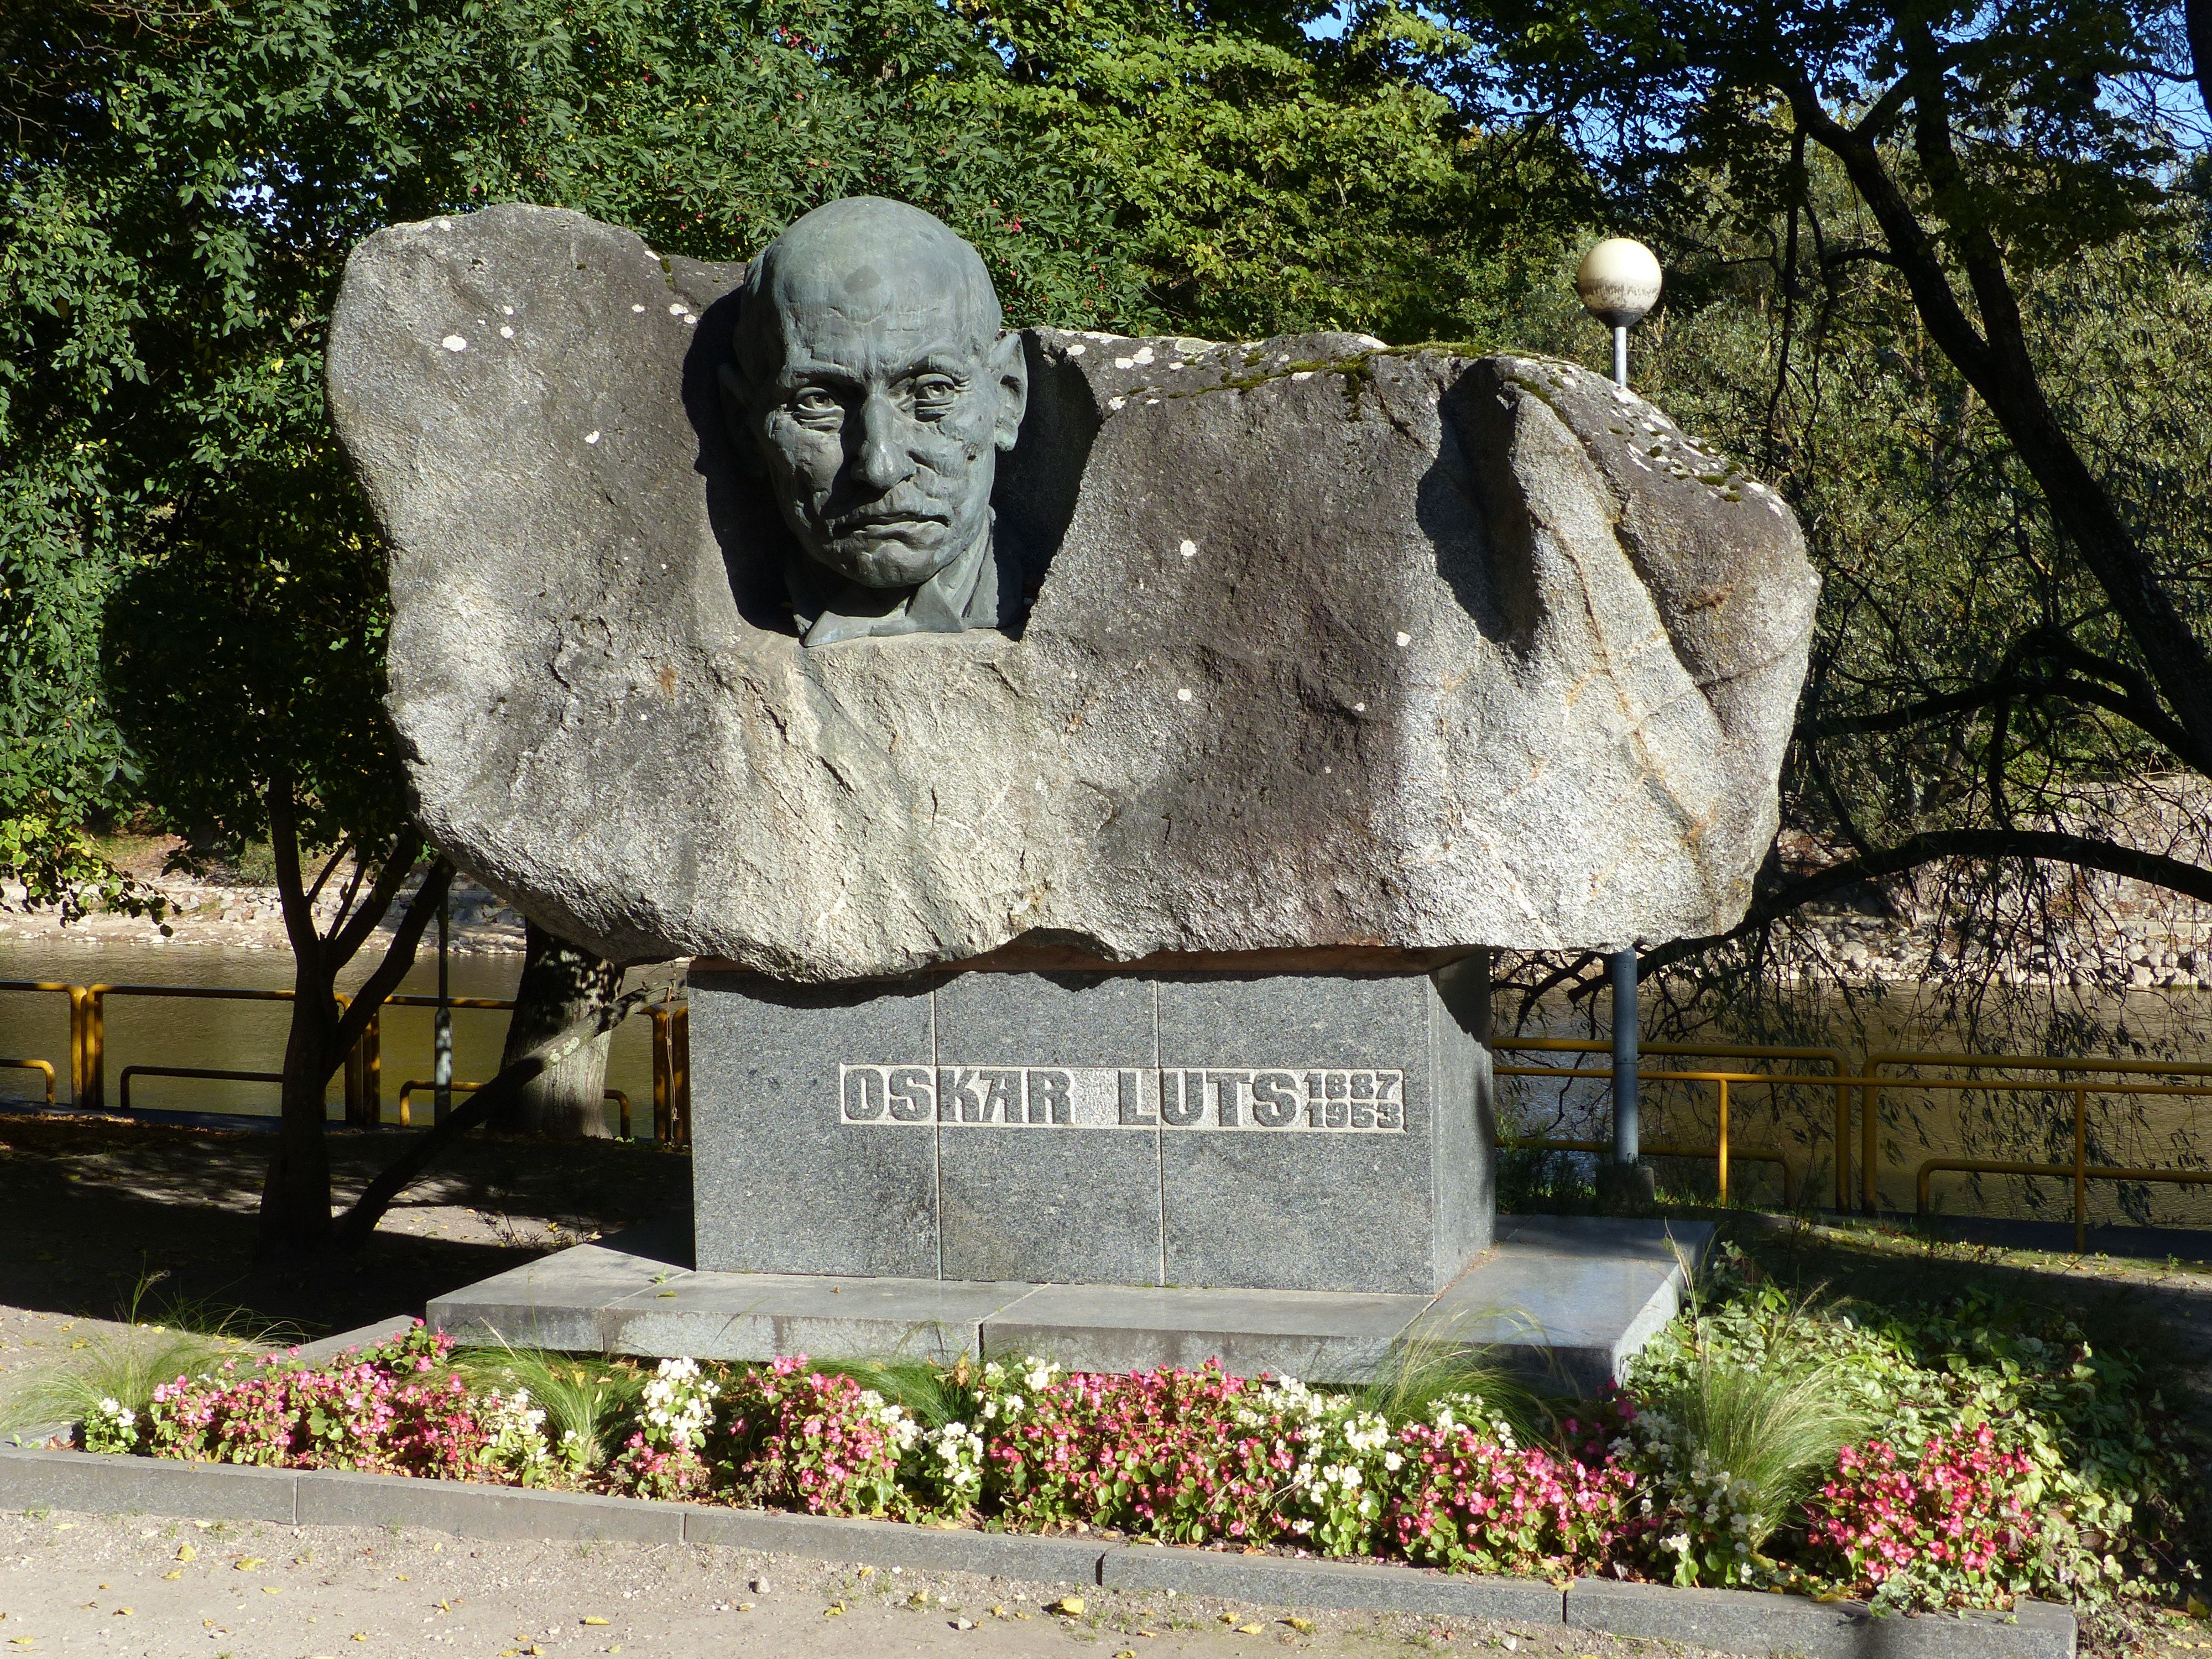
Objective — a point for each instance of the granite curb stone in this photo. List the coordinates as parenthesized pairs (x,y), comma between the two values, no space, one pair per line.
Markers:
(886,1543)
(1283,1581)
(1734,1621)
(146,1485)
(1748,1621)
(345,1499)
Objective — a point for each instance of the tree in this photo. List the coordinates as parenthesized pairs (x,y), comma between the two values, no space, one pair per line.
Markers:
(182,187)
(190,606)
(564,988)
(1982,162)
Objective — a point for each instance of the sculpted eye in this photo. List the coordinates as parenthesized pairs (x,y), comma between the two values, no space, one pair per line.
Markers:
(933,394)
(814,403)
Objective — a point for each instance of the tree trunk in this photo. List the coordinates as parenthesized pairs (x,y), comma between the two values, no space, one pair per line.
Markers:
(295,1198)
(564,987)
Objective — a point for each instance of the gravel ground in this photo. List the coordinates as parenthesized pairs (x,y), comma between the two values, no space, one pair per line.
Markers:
(92,1583)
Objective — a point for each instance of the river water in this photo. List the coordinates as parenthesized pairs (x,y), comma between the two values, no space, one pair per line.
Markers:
(249,1037)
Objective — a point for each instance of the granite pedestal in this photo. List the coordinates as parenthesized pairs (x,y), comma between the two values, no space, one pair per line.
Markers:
(1311,1132)
(1564,1301)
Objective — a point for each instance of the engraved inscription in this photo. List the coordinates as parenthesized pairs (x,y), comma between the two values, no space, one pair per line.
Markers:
(1285,1097)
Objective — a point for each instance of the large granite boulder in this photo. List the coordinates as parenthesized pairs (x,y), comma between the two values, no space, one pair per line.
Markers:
(1331,645)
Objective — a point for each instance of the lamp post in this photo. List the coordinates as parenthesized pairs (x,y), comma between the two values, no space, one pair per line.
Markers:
(441,1029)
(1619,283)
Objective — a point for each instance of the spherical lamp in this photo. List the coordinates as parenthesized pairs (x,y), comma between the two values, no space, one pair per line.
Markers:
(1619,281)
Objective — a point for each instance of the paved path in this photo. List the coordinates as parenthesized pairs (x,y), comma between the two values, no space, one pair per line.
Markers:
(85,1584)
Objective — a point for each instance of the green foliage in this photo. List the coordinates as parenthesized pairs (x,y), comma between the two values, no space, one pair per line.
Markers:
(111,1380)
(190,604)
(1426,1369)
(1739,1432)
(2113,1471)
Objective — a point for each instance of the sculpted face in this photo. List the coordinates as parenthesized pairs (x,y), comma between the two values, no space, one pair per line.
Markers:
(879,390)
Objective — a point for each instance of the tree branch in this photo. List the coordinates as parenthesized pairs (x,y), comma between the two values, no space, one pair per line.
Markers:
(284,852)
(2197,15)
(2192,880)
(399,957)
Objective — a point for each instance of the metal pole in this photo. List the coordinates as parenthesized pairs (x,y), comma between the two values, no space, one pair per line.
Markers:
(442,1071)
(1623,966)
(1620,355)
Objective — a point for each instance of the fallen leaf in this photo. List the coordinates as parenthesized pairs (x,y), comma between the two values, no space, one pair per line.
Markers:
(744,1606)
(1127,1653)
(186,1552)
(360,1635)
(1301,1625)
(1251,1629)
(865,1571)
(401,1576)
(270,1590)
(918,1599)
(593,1618)
(123,1613)
(174,1572)
(247,1563)
(1068,1606)
(998,1612)
(835,1610)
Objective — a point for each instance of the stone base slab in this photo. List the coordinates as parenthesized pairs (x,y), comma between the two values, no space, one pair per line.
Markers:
(1566,1297)
(1728,1620)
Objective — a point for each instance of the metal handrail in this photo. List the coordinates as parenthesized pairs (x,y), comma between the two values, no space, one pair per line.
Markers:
(130,1071)
(409,1087)
(1720,1151)
(2081,1170)
(364,1066)
(45,1065)
(1839,1079)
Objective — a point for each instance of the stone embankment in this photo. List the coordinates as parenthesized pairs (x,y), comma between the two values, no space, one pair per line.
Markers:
(2083,929)
(243,916)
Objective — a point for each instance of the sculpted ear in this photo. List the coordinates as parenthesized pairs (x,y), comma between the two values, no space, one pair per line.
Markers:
(1010,368)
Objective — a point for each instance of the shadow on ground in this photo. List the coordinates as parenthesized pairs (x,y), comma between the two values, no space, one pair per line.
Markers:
(96,1207)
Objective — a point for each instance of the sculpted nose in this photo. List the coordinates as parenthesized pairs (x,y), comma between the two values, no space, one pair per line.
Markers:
(884,463)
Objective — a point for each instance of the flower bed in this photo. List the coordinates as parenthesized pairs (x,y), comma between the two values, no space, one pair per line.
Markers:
(2001,1461)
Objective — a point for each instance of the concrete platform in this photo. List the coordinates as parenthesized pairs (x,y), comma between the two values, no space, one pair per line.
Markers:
(1566,1298)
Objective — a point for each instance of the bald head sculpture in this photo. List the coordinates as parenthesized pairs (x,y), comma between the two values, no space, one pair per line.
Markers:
(874,381)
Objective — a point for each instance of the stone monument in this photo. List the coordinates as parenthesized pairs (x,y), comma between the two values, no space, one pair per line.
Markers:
(1086,774)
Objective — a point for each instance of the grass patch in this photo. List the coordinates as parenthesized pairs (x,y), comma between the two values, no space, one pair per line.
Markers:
(1430,1365)
(180,1337)
(587,1399)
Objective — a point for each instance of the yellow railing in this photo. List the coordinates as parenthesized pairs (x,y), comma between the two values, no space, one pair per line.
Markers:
(1836,1077)
(424,1086)
(363,1069)
(1721,1152)
(2068,1076)
(44,1065)
(2076,1076)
